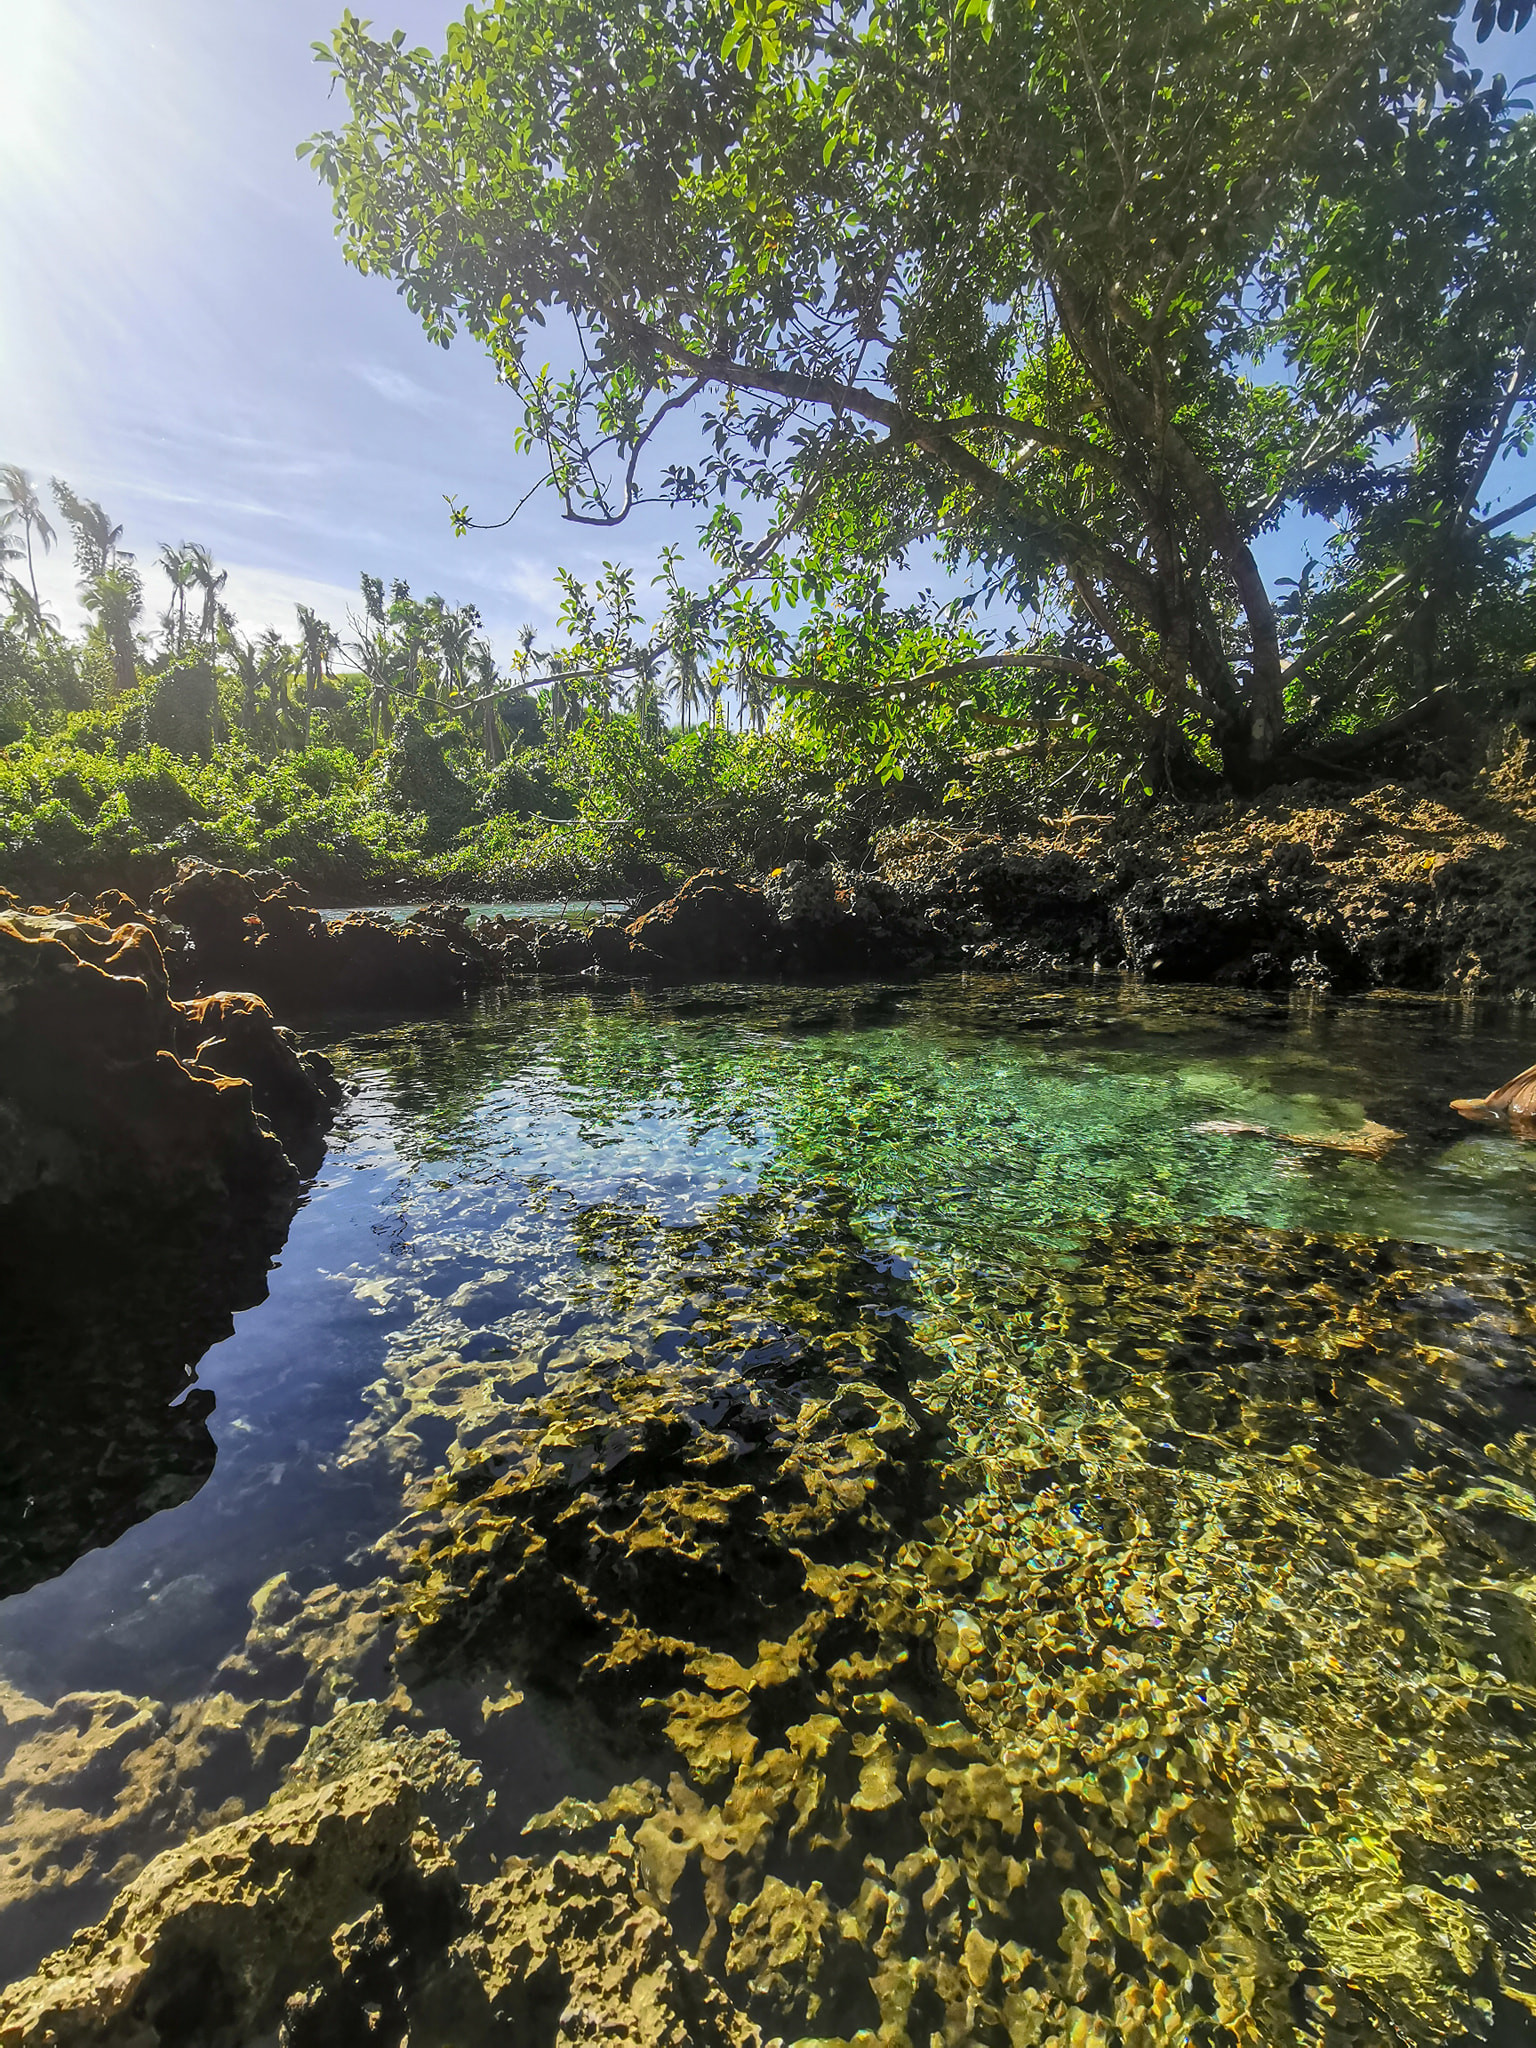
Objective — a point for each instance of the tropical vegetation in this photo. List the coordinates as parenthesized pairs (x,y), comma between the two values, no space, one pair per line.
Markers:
(1087,297)
(391,753)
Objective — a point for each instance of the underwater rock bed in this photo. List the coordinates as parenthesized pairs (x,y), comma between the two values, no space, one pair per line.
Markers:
(1133,1651)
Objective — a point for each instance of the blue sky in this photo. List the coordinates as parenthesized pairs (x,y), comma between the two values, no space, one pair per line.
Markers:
(180,338)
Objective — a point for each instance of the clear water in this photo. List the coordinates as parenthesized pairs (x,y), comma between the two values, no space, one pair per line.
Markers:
(985,1134)
(577,912)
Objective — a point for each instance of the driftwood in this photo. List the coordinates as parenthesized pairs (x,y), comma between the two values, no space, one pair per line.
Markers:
(1513,1104)
(1371,1141)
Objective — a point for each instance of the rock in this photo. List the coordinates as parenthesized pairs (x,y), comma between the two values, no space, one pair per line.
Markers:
(142,1196)
(276,945)
(1514,1104)
(92,1096)
(211,1939)
(800,920)
(579,1938)
(1214,926)
(714,925)
(296,1092)
(632,1503)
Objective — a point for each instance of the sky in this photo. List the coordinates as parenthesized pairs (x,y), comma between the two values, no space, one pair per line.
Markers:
(181,339)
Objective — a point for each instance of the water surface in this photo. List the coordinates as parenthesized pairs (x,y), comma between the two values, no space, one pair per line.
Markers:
(1068,1248)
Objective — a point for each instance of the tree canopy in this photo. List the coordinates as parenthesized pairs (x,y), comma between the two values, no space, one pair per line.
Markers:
(1086,294)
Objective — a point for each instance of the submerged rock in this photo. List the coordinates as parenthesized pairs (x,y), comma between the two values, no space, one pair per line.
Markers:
(212,1938)
(1140,1707)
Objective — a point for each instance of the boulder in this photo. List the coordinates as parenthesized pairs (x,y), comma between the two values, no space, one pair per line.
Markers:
(1215,925)
(93,1098)
(235,1034)
(714,925)
(278,946)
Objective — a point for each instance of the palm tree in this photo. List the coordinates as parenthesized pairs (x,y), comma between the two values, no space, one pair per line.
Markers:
(686,687)
(19,495)
(375,660)
(35,622)
(115,597)
(483,661)
(755,693)
(180,567)
(247,661)
(211,582)
(11,549)
(317,644)
(96,538)
(454,633)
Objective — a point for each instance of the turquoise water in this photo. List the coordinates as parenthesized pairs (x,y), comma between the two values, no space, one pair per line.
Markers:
(980,1134)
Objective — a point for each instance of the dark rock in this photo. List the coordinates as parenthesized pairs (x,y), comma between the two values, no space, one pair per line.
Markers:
(295,1091)
(285,951)
(142,1197)
(714,925)
(92,1095)
(1213,926)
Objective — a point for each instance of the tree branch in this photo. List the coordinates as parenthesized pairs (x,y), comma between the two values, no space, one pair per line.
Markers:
(1501,421)
(1069,540)
(679,398)
(1347,625)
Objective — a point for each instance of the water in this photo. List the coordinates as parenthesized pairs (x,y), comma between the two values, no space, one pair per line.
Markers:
(1226,1559)
(577,912)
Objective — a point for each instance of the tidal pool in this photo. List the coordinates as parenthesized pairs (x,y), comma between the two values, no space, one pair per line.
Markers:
(984,1554)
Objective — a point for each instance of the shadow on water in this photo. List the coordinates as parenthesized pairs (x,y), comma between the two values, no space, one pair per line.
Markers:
(970,1528)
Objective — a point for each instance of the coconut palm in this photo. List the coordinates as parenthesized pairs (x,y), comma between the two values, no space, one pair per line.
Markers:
(376,663)
(115,597)
(755,692)
(97,540)
(454,633)
(276,666)
(32,619)
(211,582)
(247,660)
(23,507)
(180,567)
(482,663)
(317,643)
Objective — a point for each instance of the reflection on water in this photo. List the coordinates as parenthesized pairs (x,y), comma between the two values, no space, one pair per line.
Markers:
(1222,1569)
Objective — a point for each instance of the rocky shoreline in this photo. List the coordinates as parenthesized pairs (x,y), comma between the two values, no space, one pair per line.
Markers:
(140,1051)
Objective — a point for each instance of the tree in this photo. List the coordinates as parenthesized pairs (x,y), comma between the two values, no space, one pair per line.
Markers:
(317,642)
(110,588)
(21,503)
(97,540)
(180,566)
(1042,283)
(210,581)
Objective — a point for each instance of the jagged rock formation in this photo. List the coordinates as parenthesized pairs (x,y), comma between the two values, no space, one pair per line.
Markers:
(150,1160)
(242,934)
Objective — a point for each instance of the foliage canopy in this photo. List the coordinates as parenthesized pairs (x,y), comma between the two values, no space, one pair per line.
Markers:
(1088,294)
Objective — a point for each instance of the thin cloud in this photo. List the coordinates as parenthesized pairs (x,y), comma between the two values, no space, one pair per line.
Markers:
(395,386)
